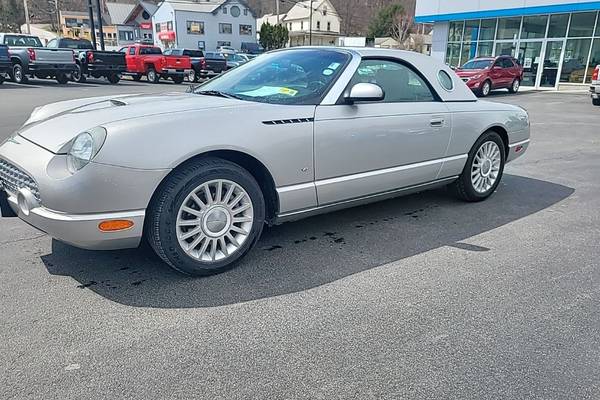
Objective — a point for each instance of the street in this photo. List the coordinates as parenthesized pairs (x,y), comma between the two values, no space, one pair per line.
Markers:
(418,297)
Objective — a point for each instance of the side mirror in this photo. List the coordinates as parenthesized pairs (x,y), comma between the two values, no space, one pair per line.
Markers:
(365,92)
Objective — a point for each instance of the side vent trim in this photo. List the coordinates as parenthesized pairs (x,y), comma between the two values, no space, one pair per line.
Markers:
(289,121)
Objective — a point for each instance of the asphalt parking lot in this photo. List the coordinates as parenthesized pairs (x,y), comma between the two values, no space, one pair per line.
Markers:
(417,297)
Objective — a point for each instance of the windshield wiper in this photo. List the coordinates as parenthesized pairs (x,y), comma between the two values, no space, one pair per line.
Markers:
(218,93)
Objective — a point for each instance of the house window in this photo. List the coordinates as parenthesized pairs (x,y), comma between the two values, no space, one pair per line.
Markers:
(235,11)
(225,28)
(169,25)
(126,36)
(224,10)
(157,28)
(245,11)
(328,26)
(301,25)
(325,11)
(245,29)
(201,45)
(318,25)
(195,27)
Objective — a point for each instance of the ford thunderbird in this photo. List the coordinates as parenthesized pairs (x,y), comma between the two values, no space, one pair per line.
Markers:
(294,133)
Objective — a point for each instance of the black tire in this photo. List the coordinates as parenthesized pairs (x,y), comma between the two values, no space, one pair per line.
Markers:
(514,86)
(486,88)
(77,75)
(596,102)
(160,229)
(136,77)
(463,187)
(1,79)
(152,76)
(62,79)
(113,78)
(18,74)
(178,79)
(192,76)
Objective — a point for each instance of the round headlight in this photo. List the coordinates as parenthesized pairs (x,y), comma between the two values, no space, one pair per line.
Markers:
(84,148)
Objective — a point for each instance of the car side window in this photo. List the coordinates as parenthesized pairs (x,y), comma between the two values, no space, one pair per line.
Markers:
(498,64)
(52,44)
(399,82)
(132,51)
(507,63)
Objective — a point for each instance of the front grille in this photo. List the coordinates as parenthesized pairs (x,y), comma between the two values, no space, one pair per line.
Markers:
(13,178)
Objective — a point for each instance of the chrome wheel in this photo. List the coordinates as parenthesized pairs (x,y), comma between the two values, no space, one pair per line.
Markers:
(516,85)
(486,167)
(214,221)
(485,90)
(192,76)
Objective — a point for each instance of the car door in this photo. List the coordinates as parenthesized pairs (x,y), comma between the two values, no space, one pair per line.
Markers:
(497,74)
(373,147)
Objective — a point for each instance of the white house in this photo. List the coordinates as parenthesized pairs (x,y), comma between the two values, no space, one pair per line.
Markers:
(326,23)
(133,22)
(204,24)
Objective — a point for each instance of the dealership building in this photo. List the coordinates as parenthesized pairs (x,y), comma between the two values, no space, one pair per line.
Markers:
(556,41)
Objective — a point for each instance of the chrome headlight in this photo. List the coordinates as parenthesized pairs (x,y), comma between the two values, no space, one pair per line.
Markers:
(84,148)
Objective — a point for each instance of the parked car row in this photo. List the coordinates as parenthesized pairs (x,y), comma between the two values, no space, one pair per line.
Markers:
(23,57)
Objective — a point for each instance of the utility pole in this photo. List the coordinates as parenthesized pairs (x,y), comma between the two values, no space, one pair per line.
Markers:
(92,25)
(311,21)
(26,16)
(57,17)
(277,8)
(100,30)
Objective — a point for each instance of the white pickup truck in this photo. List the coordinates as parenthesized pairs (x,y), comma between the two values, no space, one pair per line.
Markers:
(29,58)
(595,88)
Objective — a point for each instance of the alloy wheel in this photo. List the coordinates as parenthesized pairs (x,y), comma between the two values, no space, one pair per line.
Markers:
(214,221)
(516,85)
(486,88)
(486,167)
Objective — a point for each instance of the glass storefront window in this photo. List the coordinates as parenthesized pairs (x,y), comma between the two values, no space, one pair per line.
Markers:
(485,49)
(456,31)
(534,27)
(508,28)
(558,25)
(582,24)
(575,60)
(505,49)
(594,60)
(453,54)
(471,30)
(488,29)
(468,52)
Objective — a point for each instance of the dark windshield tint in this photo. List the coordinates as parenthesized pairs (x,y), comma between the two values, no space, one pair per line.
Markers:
(284,77)
(22,41)
(193,53)
(477,64)
(216,56)
(150,50)
(75,44)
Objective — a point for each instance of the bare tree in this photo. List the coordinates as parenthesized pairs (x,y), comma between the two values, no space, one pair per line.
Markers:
(403,23)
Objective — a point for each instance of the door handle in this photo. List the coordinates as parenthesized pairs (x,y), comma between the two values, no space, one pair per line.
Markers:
(436,122)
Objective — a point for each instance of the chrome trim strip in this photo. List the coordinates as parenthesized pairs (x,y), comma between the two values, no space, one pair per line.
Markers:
(370,174)
(510,146)
(292,188)
(371,196)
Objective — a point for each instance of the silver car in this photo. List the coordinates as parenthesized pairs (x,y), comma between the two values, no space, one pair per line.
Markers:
(321,129)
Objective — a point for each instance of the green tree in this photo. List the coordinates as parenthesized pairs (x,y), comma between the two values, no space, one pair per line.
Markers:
(382,25)
(273,36)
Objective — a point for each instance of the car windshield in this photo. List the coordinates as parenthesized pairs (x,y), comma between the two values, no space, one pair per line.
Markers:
(22,41)
(297,77)
(76,44)
(477,64)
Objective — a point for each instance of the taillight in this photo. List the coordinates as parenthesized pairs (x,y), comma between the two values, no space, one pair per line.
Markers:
(596,73)
(31,54)
(90,57)
(203,64)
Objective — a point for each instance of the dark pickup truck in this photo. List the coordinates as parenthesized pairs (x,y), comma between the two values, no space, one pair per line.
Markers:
(203,65)
(5,64)
(90,62)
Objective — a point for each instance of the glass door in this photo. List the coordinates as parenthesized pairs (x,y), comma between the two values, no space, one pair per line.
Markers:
(530,57)
(552,56)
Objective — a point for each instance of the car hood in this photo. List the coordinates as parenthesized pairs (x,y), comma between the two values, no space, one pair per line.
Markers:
(467,73)
(54,125)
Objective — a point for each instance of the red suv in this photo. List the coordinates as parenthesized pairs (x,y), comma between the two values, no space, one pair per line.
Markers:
(485,74)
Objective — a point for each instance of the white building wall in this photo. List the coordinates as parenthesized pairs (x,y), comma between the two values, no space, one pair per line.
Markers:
(436,7)
(439,41)
(163,14)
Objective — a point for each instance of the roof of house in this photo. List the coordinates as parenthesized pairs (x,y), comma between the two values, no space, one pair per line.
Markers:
(119,12)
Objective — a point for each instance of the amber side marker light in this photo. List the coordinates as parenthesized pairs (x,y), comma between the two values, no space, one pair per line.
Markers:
(115,225)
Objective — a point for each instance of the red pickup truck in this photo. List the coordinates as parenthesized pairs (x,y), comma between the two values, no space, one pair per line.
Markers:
(149,60)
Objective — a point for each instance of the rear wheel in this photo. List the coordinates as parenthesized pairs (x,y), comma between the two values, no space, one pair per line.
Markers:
(483,170)
(62,79)
(515,86)
(152,76)
(192,76)
(596,102)
(18,74)
(77,75)
(486,88)
(206,217)
(114,78)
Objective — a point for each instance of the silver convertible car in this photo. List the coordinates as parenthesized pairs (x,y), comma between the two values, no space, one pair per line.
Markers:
(291,134)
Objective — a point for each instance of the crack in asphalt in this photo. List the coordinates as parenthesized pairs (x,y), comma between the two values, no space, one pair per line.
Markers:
(23,239)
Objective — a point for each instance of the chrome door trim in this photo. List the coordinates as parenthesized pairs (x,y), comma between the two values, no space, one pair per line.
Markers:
(296,215)
(521,143)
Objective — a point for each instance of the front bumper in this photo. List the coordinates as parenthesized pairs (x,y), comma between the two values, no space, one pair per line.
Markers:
(71,207)
(80,230)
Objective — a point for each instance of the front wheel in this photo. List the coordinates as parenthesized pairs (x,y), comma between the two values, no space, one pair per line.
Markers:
(206,216)
(515,86)
(483,170)
(596,102)
(62,79)
(486,88)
